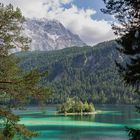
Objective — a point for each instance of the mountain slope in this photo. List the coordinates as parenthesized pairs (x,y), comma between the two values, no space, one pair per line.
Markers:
(87,72)
(50,35)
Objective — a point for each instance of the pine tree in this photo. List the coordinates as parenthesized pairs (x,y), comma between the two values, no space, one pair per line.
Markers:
(127,28)
(17,87)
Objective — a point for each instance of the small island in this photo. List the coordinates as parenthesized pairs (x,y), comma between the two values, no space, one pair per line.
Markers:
(74,106)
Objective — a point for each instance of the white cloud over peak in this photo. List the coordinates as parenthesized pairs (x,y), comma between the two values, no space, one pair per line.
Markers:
(78,20)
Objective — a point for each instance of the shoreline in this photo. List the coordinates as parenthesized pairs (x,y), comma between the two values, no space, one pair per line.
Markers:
(83,113)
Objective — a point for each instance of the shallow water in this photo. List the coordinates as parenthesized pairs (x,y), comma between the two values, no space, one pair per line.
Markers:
(107,125)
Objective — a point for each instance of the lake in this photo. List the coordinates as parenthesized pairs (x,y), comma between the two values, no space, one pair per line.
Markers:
(106,125)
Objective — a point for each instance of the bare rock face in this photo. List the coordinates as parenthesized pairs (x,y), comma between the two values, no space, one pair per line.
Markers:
(50,35)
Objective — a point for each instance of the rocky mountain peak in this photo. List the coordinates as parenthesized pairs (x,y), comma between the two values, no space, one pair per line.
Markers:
(50,35)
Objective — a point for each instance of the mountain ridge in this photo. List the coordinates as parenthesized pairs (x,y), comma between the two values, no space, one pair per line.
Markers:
(50,35)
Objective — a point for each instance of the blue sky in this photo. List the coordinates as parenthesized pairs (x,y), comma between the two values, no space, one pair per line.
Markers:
(95,4)
(92,4)
(82,17)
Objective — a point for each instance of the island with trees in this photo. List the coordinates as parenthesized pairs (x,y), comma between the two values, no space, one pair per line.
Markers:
(74,106)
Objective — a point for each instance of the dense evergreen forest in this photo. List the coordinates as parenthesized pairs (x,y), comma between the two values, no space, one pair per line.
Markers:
(86,72)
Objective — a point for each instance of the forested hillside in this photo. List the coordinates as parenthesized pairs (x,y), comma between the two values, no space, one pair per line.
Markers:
(87,72)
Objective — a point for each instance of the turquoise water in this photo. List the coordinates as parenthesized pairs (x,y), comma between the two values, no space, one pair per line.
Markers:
(106,125)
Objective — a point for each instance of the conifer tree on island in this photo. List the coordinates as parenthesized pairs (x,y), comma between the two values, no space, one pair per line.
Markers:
(127,15)
(17,88)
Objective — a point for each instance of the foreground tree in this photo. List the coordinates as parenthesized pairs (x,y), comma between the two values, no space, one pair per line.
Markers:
(127,15)
(17,88)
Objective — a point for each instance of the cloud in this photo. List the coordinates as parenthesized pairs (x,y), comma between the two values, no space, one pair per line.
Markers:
(36,8)
(78,20)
